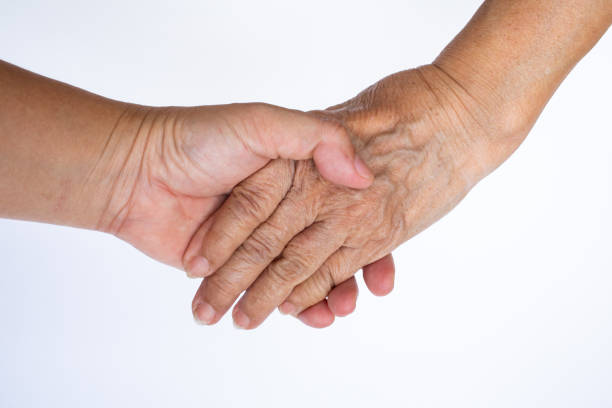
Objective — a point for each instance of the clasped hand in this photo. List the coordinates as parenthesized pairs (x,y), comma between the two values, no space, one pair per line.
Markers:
(288,238)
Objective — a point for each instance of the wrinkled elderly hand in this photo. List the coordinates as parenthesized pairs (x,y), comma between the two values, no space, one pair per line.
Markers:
(426,140)
(252,202)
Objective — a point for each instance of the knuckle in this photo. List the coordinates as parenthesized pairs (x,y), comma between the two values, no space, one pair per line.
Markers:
(279,276)
(259,301)
(248,200)
(327,278)
(316,288)
(294,203)
(287,272)
(306,192)
(301,253)
(299,257)
(257,249)
(281,173)
(221,287)
(336,271)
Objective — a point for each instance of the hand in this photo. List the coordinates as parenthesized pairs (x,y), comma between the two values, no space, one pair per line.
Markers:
(427,141)
(152,176)
(183,161)
(250,204)
(192,157)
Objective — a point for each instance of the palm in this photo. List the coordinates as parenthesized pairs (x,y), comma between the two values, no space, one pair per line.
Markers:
(162,221)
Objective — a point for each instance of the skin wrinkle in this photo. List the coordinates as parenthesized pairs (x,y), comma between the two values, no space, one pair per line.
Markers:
(332,271)
(162,141)
(242,255)
(288,168)
(231,125)
(455,94)
(439,135)
(298,259)
(476,158)
(327,279)
(250,201)
(117,222)
(414,149)
(255,121)
(183,211)
(126,112)
(120,184)
(257,248)
(222,285)
(170,156)
(104,152)
(174,158)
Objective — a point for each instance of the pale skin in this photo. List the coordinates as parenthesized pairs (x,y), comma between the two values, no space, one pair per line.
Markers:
(152,176)
(428,134)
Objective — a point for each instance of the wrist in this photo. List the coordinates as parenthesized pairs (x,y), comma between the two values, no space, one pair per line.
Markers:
(119,164)
(54,141)
(512,56)
(501,108)
(481,134)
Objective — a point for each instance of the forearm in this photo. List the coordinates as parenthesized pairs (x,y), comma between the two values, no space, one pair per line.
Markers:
(55,143)
(513,55)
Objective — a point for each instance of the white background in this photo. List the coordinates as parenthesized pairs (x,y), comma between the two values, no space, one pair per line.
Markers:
(504,303)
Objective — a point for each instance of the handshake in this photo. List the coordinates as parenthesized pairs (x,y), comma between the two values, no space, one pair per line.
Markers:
(284,207)
(281,206)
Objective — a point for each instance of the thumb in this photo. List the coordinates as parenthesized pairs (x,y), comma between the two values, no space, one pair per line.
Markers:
(292,134)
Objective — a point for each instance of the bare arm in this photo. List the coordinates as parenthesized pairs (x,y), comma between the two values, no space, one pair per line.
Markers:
(51,136)
(513,54)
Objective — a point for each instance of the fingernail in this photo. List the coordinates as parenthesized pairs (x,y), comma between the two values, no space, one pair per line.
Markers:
(198,267)
(241,321)
(362,169)
(203,313)
(287,308)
